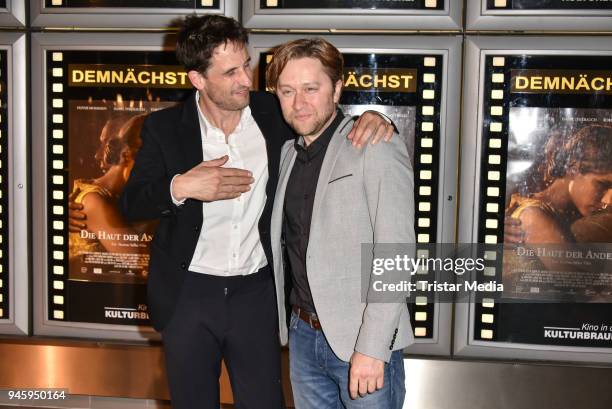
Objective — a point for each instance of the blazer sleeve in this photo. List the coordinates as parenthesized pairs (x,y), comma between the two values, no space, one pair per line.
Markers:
(389,189)
(147,192)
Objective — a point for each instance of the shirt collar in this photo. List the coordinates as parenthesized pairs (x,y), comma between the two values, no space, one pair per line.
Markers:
(246,119)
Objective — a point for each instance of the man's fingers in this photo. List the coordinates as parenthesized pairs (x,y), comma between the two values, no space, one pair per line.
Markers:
(378,134)
(75,206)
(73,214)
(388,132)
(234,189)
(361,127)
(234,172)
(76,221)
(215,162)
(380,382)
(362,133)
(363,387)
(236,180)
(372,385)
(351,134)
(353,386)
(513,232)
(508,220)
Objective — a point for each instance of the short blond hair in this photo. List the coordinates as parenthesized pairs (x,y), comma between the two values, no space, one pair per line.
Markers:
(317,48)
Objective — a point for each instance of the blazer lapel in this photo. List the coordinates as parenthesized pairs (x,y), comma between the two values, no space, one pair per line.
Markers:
(279,199)
(189,135)
(333,150)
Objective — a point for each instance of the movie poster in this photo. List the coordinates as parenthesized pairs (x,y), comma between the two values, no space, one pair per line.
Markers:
(551,118)
(150,4)
(407,89)
(106,97)
(553,152)
(353,4)
(550,4)
(101,156)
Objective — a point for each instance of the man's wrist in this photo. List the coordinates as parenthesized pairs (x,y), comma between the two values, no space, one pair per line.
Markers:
(383,116)
(178,198)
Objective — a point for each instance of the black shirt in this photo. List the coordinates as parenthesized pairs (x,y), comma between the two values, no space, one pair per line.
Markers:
(299,199)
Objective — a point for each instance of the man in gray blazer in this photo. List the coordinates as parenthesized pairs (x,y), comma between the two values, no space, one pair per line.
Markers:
(332,198)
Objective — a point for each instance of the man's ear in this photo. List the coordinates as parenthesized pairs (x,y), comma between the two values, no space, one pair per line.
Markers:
(197,79)
(337,91)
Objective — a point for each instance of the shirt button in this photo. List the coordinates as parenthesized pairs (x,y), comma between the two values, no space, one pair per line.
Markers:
(235,226)
(183,266)
(196,228)
(234,255)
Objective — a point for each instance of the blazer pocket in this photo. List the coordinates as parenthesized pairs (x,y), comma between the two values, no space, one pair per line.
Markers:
(338,178)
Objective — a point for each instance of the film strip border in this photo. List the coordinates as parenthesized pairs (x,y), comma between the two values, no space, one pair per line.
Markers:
(427,4)
(499,4)
(549,5)
(426,179)
(198,4)
(4,188)
(492,189)
(57,185)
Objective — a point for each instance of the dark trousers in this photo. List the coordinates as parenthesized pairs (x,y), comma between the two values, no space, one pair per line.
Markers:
(229,318)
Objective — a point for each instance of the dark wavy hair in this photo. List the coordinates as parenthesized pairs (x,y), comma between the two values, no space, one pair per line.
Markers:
(587,150)
(200,35)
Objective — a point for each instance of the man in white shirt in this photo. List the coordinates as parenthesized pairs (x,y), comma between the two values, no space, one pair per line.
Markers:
(208,170)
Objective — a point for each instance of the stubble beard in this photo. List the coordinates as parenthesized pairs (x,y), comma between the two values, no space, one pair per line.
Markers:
(229,103)
(316,128)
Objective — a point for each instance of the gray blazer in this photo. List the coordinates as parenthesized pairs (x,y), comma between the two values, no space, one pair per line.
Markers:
(362,196)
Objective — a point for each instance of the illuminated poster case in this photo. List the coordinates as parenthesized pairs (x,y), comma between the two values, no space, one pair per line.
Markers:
(536,150)
(539,15)
(123,13)
(14,274)
(418,88)
(91,279)
(408,15)
(12,13)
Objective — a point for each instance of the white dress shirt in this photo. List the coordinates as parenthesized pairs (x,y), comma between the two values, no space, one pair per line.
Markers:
(229,242)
